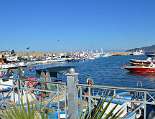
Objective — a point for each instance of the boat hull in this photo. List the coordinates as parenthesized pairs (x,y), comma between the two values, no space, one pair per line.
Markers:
(143,70)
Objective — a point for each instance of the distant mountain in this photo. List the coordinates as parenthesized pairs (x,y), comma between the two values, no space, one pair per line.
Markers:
(145,49)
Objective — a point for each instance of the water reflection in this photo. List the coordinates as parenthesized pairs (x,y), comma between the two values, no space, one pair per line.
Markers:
(144,75)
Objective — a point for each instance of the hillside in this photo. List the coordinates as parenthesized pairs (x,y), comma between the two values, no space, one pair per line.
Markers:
(146,49)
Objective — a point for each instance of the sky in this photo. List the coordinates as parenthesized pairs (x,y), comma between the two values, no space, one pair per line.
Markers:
(76,24)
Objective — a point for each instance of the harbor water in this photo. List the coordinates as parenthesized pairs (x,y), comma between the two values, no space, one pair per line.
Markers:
(109,71)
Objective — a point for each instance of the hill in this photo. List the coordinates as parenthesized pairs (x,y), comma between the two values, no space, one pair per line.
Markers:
(145,49)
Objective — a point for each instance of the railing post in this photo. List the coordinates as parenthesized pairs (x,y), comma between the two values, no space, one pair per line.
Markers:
(72,96)
(65,103)
(14,91)
(114,92)
(145,99)
(58,101)
(80,92)
(89,98)
(19,90)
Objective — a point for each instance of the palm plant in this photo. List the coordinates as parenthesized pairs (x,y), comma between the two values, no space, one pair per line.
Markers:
(24,112)
(30,112)
(99,111)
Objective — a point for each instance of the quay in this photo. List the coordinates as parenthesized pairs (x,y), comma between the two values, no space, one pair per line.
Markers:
(120,53)
(68,99)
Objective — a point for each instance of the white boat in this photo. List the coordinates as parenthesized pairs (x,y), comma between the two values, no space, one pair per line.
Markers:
(12,65)
(58,60)
(106,55)
(97,55)
(5,84)
(12,58)
(140,52)
(91,58)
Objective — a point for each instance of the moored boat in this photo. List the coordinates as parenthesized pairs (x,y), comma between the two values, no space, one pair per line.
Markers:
(142,66)
(138,52)
(141,69)
(12,65)
(107,55)
(146,62)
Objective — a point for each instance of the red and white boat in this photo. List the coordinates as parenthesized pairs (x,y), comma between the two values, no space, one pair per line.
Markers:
(142,66)
(146,62)
(141,69)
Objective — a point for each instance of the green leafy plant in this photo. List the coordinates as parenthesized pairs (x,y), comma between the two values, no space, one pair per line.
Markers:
(99,111)
(22,111)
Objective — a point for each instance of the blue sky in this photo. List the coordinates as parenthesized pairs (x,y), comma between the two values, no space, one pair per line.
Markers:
(76,24)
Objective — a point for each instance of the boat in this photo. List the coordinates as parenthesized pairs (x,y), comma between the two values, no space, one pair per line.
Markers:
(12,59)
(7,62)
(91,58)
(147,62)
(106,55)
(97,55)
(150,54)
(140,52)
(12,65)
(141,69)
(142,66)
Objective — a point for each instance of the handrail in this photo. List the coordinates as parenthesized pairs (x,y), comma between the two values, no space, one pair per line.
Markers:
(117,88)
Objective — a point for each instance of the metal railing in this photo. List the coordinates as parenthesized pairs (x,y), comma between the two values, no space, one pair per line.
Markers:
(139,96)
(61,92)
